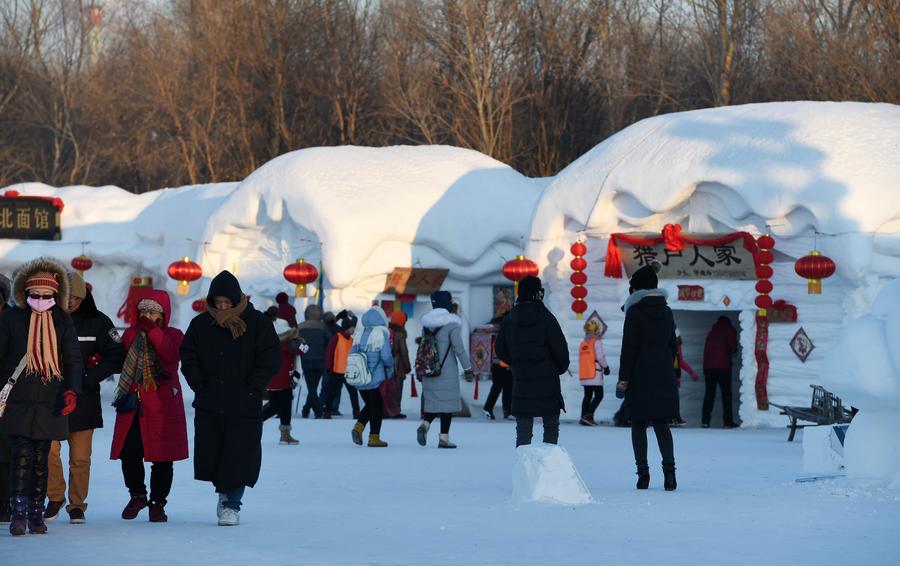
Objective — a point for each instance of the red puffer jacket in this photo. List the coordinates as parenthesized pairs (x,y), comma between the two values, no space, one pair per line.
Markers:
(721,344)
(161,411)
(282,379)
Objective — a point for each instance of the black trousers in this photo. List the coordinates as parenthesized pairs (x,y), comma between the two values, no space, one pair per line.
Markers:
(525,428)
(446,419)
(722,379)
(132,457)
(312,374)
(373,411)
(501,384)
(335,382)
(279,404)
(593,394)
(663,438)
(28,469)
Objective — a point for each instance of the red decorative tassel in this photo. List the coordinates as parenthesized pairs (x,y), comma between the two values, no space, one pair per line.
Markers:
(613,259)
(413,393)
(476,386)
(672,238)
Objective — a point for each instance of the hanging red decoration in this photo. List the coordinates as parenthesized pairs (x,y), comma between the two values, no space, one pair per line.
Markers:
(579,279)
(764,302)
(185,272)
(764,272)
(81,264)
(517,269)
(674,240)
(764,286)
(301,274)
(200,305)
(764,258)
(139,286)
(815,267)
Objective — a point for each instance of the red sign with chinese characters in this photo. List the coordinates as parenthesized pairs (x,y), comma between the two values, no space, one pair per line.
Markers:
(691,293)
(415,280)
(727,261)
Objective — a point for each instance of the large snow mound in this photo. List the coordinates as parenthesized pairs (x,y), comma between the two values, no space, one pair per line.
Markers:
(545,473)
(452,204)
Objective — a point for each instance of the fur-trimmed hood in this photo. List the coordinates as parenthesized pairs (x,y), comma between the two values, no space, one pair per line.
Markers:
(21,275)
(439,318)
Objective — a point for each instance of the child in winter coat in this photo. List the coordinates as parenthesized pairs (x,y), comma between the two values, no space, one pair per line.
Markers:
(592,367)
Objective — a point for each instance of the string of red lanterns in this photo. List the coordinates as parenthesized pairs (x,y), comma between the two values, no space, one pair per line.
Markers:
(764,259)
(519,268)
(579,279)
(301,274)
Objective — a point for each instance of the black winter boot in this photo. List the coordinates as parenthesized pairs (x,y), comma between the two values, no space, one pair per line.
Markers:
(18,521)
(36,525)
(643,474)
(669,473)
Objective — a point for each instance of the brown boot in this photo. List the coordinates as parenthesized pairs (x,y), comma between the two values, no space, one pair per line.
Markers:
(286,437)
(158,512)
(135,504)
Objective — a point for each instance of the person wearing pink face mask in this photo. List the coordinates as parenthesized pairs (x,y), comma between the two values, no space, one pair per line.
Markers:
(40,377)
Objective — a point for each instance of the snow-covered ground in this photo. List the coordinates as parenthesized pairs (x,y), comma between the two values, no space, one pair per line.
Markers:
(328,501)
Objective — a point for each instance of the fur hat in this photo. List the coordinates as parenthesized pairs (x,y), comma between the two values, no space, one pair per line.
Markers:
(41,265)
(645,278)
(77,285)
(149,305)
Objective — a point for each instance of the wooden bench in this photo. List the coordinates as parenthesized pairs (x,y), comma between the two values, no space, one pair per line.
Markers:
(825,409)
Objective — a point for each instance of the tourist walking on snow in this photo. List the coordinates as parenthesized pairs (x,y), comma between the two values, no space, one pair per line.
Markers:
(280,387)
(680,365)
(316,335)
(229,354)
(501,379)
(592,367)
(392,389)
(40,378)
(102,355)
(718,352)
(5,290)
(336,355)
(532,343)
(440,394)
(646,373)
(375,342)
(150,422)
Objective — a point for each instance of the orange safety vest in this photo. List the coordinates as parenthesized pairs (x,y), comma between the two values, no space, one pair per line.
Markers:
(341,354)
(587,359)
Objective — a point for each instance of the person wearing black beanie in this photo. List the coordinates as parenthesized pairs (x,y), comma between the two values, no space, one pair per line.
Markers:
(532,344)
(647,372)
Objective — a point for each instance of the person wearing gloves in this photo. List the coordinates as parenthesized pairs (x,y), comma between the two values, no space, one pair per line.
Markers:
(229,354)
(150,422)
(103,355)
(592,367)
(532,343)
(441,395)
(646,373)
(40,379)
(280,387)
(375,342)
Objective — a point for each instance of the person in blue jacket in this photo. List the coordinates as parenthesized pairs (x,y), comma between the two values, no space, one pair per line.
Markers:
(375,342)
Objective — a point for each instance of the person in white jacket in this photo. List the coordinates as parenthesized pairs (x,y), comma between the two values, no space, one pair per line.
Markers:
(592,367)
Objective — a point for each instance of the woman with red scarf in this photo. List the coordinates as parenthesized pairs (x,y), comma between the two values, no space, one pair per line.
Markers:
(150,423)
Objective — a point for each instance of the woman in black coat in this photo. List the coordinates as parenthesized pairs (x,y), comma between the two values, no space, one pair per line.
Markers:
(647,374)
(39,348)
(532,343)
(229,354)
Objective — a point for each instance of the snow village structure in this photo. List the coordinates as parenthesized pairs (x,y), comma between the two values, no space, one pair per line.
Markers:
(696,191)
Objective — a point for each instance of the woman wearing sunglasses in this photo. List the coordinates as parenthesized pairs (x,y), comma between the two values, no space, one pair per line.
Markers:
(40,376)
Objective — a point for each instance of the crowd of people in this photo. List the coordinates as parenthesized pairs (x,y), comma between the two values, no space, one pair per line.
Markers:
(56,348)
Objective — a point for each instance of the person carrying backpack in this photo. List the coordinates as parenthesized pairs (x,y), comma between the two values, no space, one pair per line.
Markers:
(369,363)
(440,347)
(592,367)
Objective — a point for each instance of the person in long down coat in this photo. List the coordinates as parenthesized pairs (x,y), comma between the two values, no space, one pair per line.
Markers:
(532,343)
(647,372)
(102,354)
(150,422)
(229,354)
(40,378)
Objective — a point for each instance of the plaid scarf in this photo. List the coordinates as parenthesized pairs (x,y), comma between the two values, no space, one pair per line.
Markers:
(231,318)
(42,352)
(141,367)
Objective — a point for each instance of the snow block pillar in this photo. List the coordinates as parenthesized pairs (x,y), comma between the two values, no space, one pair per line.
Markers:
(544,473)
(823,449)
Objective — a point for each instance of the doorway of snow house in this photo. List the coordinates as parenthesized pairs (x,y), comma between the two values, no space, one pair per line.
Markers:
(694,326)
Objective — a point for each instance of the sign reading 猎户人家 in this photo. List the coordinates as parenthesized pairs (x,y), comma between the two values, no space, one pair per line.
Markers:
(29,218)
(727,261)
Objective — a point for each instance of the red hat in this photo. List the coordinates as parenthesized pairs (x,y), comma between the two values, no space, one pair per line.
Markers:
(398,317)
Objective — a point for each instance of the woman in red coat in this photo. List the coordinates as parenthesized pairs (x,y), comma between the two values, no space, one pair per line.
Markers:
(150,423)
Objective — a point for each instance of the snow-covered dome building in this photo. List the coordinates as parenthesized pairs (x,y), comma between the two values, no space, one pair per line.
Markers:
(789,169)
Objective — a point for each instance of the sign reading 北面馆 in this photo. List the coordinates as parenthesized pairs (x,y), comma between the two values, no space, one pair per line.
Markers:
(29,218)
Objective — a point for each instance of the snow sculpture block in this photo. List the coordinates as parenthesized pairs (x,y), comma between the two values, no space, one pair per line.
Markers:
(872,449)
(545,473)
(823,449)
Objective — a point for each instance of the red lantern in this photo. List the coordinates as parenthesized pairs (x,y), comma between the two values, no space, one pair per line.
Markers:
(185,271)
(766,242)
(579,249)
(578,264)
(301,274)
(81,264)
(517,269)
(764,286)
(579,307)
(764,302)
(579,293)
(200,305)
(764,272)
(815,267)
(765,257)
(578,278)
